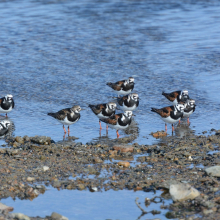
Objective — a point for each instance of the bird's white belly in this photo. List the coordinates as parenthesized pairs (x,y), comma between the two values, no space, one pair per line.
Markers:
(67,122)
(117,126)
(125,108)
(101,116)
(121,92)
(170,120)
(5,111)
(187,114)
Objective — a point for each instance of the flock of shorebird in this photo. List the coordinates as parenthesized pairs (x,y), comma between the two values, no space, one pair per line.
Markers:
(183,106)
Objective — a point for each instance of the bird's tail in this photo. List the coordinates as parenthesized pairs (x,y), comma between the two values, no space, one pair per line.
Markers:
(109,84)
(163,93)
(155,110)
(51,114)
(166,94)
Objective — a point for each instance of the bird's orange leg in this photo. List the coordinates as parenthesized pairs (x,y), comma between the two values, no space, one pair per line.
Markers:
(117,134)
(172,128)
(68,130)
(188,121)
(64,129)
(100,124)
(166,127)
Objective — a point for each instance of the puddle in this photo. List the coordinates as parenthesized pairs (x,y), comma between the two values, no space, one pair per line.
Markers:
(83,205)
(197,165)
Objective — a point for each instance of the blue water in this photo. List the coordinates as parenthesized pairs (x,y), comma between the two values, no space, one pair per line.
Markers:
(55,54)
(79,205)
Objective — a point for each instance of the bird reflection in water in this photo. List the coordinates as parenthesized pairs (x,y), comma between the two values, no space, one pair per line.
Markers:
(7,127)
(130,134)
(183,130)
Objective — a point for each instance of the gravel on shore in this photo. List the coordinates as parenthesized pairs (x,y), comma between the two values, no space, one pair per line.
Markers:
(30,164)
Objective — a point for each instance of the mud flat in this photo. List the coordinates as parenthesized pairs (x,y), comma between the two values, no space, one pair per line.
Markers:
(187,170)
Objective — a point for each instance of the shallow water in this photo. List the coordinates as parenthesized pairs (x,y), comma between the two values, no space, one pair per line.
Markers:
(86,205)
(58,53)
(55,54)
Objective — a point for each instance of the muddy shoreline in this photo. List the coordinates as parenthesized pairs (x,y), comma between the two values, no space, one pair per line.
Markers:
(30,164)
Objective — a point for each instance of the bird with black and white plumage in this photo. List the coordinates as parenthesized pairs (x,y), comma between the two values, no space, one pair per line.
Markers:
(189,108)
(119,121)
(123,87)
(67,116)
(6,104)
(129,102)
(103,111)
(4,127)
(170,114)
(177,96)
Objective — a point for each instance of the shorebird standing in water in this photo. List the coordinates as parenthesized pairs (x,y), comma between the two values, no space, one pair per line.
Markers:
(67,116)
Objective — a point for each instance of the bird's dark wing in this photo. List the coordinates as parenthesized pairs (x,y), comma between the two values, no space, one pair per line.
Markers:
(97,108)
(171,96)
(121,100)
(111,120)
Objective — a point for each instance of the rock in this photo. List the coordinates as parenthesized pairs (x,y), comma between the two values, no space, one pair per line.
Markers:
(213,171)
(124,163)
(183,191)
(5,207)
(81,186)
(36,192)
(20,216)
(30,179)
(92,170)
(167,184)
(45,168)
(207,212)
(2,151)
(97,160)
(43,140)
(19,139)
(12,152)
(56,216)
(159,134)
(57,184)
(124,148)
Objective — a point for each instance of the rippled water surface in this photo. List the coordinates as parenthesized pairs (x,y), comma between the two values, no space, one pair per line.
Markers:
(54,54)
(58,53)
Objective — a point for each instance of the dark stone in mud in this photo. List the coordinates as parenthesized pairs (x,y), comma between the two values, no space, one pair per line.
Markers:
(170,215)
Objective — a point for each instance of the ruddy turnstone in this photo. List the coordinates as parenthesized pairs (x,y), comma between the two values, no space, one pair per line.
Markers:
(129,102)
(189,108)
(4,126)
(123,87)
(103,111)
(119,121)
(67,116)
(170,114)
(6,104)
(177,96)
